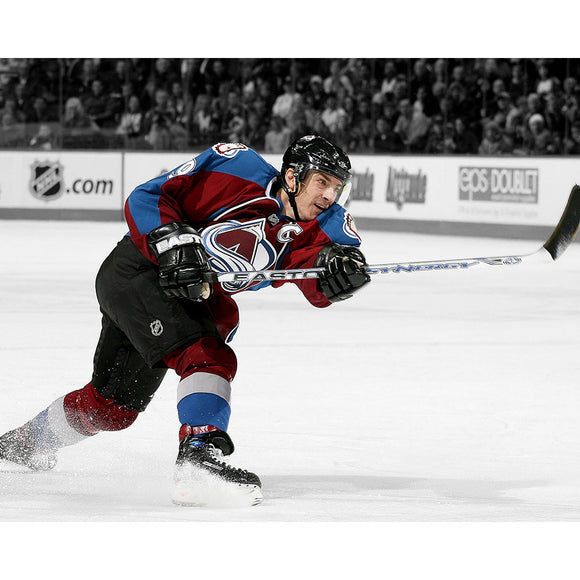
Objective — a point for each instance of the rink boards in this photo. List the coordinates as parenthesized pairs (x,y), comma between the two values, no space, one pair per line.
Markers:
(503,196)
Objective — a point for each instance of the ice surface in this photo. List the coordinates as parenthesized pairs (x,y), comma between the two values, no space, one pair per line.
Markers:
(429,397)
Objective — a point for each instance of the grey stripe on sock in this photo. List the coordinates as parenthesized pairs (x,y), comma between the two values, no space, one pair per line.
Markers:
(204,383)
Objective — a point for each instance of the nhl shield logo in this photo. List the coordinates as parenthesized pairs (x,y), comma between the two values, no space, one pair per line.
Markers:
(46,181)
(156,328)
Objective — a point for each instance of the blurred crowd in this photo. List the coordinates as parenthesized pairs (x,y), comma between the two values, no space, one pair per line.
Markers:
(453,106)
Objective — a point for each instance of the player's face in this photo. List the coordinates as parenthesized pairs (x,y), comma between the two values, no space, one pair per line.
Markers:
(316,194)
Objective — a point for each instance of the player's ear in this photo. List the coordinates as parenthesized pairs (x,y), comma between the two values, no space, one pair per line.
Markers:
(290,179)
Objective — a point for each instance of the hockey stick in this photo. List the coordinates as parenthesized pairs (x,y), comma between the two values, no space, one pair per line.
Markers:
(554,247)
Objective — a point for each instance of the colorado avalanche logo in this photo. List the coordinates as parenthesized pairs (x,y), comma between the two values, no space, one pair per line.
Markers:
(349,227)
(186,167)
(229,150)
(238,247)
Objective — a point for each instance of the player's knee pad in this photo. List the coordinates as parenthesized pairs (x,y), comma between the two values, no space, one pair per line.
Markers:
(208,355)
(88,412)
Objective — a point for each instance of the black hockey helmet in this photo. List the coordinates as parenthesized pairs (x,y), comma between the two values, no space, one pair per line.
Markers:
(315,152)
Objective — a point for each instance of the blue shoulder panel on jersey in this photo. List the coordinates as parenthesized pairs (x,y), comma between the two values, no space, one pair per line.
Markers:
(337,224)
(230,158)
(144,204)
(236,160)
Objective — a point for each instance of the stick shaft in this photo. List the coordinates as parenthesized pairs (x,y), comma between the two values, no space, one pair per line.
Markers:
(552,249)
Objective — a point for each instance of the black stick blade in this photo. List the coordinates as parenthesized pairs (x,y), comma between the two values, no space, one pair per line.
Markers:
(567,226)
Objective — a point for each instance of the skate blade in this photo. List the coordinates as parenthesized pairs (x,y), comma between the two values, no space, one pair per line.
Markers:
(237,496)
(207,491)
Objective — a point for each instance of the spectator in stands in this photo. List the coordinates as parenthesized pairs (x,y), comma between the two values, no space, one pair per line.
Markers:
(385,140)
(487,74)
(492,104)
(517,132)
(162,114)
(305,114)
(438,93)
(75,116)
(358,71)
(315,92)
(81,75)
(230,105)
(158,137)
(456,104)
(12,71)
(403,123)
(553,116)
(43,139)
(337,80)
(503,108)
(570,100)
(545,83)
(131,124)
(401,90)
(412,127)
(477,89)
(163,74)
(39,112)
(425,101)
(12,111)
(235,123)
(12,133)
(248,81)
(179,102)
(215,74)
(276,70)
(277,138)
(421,77)
(389,79)
(20,102)
(359,142)
(465,141)
(283,103)
(118,76)
(494,141)
(265,95)
(341,135)
(572,143)
(162,129)
(255,132)
(436,138)
(439,72)
(120,87)
(178,137)
(516,115)
(203,120)
(539,140)
(362,126)
(97,106)
(535,106)
(331,113)
(517,82)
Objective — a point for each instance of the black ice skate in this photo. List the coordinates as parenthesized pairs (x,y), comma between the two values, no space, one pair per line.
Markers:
(18,446)
(203,478)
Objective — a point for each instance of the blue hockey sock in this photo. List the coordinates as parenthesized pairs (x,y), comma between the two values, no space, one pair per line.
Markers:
(203,399)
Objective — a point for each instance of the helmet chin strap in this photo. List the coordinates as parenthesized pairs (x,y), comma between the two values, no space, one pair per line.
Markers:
(292,195)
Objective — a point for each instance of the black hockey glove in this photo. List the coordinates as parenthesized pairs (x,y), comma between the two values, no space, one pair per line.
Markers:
(184,271)
(345,271)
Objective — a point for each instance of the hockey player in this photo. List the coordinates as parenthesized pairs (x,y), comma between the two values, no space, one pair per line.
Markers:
(162,308)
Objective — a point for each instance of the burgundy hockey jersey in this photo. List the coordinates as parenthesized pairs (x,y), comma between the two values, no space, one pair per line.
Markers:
(228,194)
